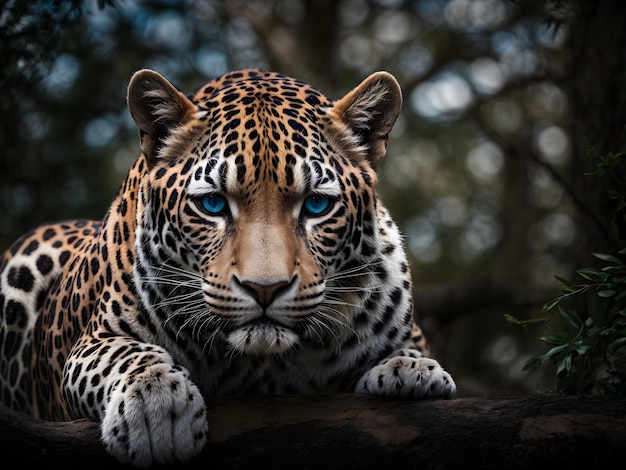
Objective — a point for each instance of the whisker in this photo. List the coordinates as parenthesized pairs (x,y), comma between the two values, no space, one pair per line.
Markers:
(348,289)
(317,333)
(180,299)
(211,338)
(339,301)
(355,271)
(328,312)
(189,310)
(329,309)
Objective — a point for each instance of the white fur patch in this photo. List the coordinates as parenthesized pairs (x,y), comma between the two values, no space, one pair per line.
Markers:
(262,339)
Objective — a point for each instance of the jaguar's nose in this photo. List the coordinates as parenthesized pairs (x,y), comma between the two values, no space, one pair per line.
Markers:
(265,294)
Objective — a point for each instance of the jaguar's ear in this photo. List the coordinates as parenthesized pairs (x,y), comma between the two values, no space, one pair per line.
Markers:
(365,116)
(158,109)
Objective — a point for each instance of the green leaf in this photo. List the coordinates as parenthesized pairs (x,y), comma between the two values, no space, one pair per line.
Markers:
(565,364)
(512,319)
(556,349)
(523,323)
(561,333)
(589,149)
(615,345)
(571,317)
(549,305)
(608,258)
(592,274)
(552,339)
(535,363)
(606,293)
(564,281)
(612,268)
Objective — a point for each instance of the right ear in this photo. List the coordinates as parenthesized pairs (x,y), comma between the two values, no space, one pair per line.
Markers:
(158,109)
(365,116)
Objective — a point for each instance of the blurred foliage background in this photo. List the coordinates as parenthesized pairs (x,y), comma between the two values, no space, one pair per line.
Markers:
(486,172)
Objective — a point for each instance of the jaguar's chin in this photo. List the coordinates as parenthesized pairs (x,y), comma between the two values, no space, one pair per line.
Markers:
(262,339)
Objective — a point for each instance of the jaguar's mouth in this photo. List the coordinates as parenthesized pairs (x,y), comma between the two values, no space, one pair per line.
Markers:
(264,320)
(262,336)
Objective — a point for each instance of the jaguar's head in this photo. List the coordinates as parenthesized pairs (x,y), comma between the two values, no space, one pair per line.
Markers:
(257,211)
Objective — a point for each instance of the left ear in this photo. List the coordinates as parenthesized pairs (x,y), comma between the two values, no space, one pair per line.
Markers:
(160,111)
(365,116)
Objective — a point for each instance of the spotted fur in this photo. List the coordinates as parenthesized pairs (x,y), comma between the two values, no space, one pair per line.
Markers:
(246,252)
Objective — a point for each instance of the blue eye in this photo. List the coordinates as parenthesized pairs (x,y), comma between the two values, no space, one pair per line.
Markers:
(213,204)
(317,204)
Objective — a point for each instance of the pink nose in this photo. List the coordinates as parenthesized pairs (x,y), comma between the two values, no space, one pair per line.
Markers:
(264,294)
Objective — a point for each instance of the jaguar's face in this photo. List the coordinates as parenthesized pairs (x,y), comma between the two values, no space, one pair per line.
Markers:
(266,221)
(265,248)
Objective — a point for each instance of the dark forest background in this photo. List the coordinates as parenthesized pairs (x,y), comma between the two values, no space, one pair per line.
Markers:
(492,170)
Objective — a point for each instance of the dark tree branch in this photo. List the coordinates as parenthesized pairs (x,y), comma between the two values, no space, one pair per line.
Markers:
(356,431)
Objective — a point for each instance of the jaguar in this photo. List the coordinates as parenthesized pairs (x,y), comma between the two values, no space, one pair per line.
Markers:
(246,252)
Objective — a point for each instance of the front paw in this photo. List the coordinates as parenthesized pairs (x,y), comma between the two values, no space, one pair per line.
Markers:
(407,376)
(158,416)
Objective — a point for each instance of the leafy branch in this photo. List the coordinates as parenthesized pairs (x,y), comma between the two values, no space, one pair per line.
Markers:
(588,352)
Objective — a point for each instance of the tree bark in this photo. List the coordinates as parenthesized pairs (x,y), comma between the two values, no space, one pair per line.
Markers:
(357,431)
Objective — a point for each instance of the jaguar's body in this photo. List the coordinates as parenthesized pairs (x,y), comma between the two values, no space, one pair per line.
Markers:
(246,252)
